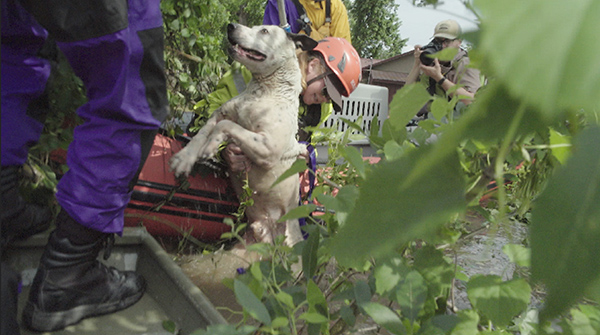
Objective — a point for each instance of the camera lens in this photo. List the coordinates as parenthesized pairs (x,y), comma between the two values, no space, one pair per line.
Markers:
(424,56)
(431,48)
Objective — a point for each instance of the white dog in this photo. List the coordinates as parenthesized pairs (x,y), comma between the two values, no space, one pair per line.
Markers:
(263,122)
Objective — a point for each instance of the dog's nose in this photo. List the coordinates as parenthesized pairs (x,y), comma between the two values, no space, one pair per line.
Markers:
(231,27)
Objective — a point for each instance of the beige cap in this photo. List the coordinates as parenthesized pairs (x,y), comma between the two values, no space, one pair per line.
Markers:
(449,29)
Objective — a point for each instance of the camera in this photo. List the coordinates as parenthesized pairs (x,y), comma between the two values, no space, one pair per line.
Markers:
(431,48)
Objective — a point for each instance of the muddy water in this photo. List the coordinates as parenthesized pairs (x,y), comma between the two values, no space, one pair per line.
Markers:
(481,253)
(208,271)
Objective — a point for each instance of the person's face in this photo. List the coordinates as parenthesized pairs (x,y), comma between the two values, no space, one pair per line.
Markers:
(455,43)
(316,92)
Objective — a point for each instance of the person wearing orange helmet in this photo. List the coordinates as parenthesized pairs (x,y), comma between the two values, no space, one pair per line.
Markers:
(341,73)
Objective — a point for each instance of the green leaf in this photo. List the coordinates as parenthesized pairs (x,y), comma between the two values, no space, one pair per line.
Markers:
(309,254)
(493,113)
(406,103)
(298,212)
(251,303)
(384,317)
(353,125)
(355,159)
(256,271)
(313,317)
(498,300)
(468,320)
(169,326)
(395,205)
(518,254)
(411,295)
(447,54)
(440,107)
(432,265)
(388,274)
(565,227)
(580,323)
(439,324)
(286,299)
(549,61)
(298,166)
(347,315)
(315,298)
(342,203)
(393,150)
(593,314)
(560,146)
(362,292)
(279,322)
(225,329)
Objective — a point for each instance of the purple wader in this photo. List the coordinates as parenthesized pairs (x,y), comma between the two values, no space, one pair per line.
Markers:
(119,57)
(271,16)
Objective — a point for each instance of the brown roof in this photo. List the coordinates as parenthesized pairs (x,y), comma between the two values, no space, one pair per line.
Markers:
(391,59)
(388,76)
(384,76)
(365,63)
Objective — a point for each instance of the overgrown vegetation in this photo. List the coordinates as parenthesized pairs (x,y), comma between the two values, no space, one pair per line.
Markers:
(381,252)
(534,129)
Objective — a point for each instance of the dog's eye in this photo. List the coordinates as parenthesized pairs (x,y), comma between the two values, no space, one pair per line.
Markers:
(264,31)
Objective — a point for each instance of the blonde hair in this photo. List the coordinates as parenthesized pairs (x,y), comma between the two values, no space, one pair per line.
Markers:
(304,57)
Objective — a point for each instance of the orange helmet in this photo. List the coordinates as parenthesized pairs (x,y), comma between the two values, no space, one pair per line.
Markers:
(344,63)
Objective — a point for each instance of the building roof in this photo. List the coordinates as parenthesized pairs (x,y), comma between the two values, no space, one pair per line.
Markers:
(365,63)
(386,76)
(392,59)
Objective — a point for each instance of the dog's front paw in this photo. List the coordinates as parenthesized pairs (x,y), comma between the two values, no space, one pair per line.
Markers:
(210,149)
(181,164)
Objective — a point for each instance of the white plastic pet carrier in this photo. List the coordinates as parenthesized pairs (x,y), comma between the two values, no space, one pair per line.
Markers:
(367,101)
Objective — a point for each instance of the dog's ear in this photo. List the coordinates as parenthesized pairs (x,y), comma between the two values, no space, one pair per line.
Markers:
(302,41)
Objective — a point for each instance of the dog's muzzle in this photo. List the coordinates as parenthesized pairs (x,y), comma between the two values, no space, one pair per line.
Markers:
(237,50)
(240,51)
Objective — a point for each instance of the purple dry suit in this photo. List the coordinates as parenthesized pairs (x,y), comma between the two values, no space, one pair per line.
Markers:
(116,48)
(271,16)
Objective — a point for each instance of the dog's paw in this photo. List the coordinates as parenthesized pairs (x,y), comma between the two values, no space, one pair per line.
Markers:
(181,164)
(209,150)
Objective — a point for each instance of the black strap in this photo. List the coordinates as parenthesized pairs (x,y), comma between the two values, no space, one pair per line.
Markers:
(299,7)
(303,19)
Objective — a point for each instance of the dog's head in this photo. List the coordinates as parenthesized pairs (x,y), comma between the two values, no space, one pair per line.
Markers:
(263,49)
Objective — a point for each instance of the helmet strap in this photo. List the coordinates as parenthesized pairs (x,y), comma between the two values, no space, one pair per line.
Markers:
(319,77)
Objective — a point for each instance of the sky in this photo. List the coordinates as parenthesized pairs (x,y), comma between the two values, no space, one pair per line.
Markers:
(418,23)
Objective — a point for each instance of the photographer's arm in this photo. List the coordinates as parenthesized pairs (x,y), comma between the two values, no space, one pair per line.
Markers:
(435,72)
(416,70)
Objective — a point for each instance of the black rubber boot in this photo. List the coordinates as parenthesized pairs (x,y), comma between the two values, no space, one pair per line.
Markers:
(10,296)
(71,284)
(19,218)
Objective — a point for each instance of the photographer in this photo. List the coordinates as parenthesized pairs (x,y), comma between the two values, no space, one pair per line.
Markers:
(444,75)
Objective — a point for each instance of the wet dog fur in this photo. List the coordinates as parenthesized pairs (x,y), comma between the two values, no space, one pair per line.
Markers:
(263,122)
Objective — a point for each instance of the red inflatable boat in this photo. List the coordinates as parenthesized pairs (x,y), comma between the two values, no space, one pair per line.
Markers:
(165,209)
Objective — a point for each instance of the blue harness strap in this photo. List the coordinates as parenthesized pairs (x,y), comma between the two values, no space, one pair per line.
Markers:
(312,165)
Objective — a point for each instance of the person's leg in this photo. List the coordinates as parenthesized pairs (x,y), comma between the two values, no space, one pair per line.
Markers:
(71,284)
(19,218)
(121,67)
(24,107)
(9,300)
